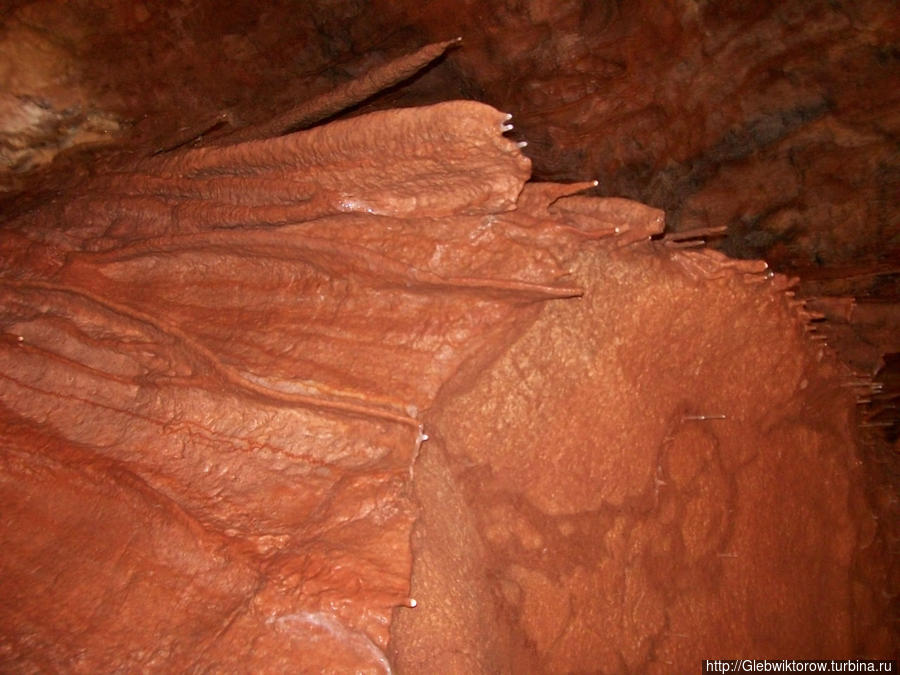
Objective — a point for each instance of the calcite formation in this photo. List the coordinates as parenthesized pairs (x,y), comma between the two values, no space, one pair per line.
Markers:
(363,398)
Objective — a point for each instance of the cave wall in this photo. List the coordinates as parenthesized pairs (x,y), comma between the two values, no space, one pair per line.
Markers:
(776,122)
(791,106)
(767,131)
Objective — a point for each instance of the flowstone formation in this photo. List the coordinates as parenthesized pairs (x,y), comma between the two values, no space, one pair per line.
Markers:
(362,398)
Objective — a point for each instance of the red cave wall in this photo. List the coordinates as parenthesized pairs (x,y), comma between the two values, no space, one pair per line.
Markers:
(332,343)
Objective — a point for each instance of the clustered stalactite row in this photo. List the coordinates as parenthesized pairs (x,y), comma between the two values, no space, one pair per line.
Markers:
(218,363)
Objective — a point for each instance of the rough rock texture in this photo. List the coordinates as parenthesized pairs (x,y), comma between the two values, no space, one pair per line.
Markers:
(776,121)
(223,351)
(631,507)
(219,415)
(214,367)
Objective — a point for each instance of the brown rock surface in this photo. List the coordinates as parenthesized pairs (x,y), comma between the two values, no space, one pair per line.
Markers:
(219,356)
(633,507)
(243,381)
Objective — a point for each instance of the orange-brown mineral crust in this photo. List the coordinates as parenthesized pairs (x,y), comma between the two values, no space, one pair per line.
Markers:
(219,366)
